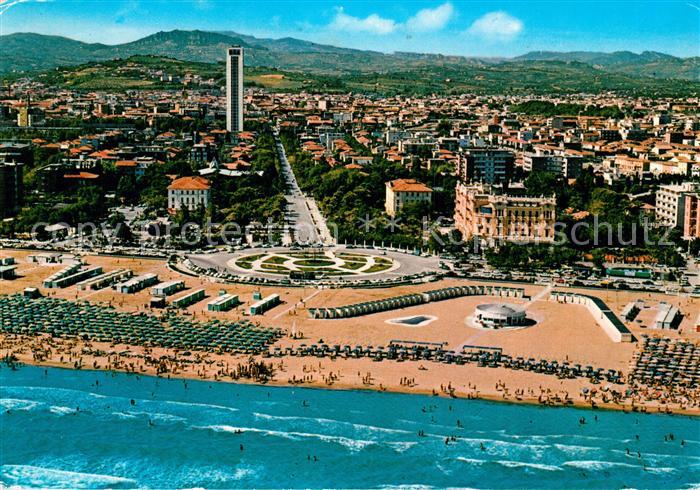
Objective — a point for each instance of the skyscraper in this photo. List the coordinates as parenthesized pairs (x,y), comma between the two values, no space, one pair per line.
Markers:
(13,157)
(234,89)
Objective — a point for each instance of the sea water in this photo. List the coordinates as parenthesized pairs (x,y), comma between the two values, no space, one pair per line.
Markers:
(84,429)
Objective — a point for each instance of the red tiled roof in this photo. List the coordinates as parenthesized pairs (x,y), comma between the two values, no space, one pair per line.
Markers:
(81,175)
(190,184)
(409,185)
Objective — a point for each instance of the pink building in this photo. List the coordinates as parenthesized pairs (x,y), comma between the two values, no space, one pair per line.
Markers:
(691,219)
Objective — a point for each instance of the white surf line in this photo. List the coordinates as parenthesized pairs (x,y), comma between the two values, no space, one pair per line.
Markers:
(295,305)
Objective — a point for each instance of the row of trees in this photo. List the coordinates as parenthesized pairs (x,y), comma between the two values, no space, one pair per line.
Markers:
(352,199)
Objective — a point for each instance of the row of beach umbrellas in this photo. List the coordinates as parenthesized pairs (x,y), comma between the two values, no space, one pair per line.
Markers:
(67,319)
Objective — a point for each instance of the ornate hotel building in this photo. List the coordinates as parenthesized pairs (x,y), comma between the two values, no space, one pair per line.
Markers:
(496,217)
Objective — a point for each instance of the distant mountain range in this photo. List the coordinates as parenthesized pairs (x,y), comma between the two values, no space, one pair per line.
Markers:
(647,63)
(29,52)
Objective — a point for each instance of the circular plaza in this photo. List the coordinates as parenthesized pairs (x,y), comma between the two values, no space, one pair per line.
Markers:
(333,266)
(320,263)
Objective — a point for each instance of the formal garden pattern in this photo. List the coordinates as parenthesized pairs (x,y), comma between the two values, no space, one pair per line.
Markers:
(318,262)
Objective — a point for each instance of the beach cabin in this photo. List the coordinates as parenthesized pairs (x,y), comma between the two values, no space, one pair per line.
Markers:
(632,309)
(167,288)
(157,302)
(268,302)
(66,271)
(31,293)
(223,303)
(104,280)
(137,283)
(188,299)
(667,316)
(604,317)
(71,275)
(404,301)
(7,268)
(45,258)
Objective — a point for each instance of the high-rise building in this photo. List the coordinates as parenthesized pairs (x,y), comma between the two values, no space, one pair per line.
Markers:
(234,89)
(691,220)
(670,203)
(13,158)
(24,115)
(11,188)
(488,165)
(568,166)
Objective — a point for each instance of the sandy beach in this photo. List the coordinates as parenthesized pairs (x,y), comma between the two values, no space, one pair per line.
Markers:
(562,332)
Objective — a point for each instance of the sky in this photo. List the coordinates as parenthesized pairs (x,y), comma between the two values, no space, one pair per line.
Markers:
(468,28)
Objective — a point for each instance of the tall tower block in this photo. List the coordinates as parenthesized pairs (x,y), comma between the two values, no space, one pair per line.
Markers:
(234,89)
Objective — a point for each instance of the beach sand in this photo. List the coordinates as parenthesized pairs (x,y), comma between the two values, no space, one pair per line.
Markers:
(566,333)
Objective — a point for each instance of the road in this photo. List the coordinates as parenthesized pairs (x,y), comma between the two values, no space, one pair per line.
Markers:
(304,221)
(693,272)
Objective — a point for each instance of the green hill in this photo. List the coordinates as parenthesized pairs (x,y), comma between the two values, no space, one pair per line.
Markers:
(526,77)
(336,68)
(646,64)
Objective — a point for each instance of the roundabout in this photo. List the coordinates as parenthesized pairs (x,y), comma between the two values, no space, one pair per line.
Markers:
(339,266)
(320,263)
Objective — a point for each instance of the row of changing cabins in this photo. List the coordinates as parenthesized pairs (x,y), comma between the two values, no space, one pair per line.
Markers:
(122,281)
(668,315)
(604,316)
(414,299)
(223,302)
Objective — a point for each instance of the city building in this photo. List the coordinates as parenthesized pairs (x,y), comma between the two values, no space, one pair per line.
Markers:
(568,166)
(488,165)
(403,191)
(670,203)
(497,217)
(234,89)
(631,167)
(24,114)
(189,192)
(11,188)
(13,158)
(12,152)
(691,218)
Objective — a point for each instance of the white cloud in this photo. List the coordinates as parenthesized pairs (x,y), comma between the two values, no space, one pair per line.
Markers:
(496,26)
(431,19)
(373,23)
(424,20)
(6,5)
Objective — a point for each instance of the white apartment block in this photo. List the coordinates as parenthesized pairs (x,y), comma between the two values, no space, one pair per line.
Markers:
(670,203)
